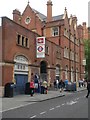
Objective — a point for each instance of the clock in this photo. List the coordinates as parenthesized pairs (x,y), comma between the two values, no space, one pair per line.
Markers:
(27,20)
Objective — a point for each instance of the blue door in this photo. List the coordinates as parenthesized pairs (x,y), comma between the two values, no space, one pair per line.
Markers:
(21,80)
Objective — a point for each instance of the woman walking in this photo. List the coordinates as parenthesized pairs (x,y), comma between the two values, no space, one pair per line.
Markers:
(88,88)
(31,87)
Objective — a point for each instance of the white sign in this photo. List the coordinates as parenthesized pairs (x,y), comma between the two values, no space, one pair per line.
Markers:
(40,40)
(40,47)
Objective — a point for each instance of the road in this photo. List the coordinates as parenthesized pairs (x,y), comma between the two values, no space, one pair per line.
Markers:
(70,106)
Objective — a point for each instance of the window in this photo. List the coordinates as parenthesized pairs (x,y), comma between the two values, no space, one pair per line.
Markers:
(72,38)
(66,33)
(66,72)
(55,31)
(22,41)
(65,52)
(58,54)
(47,49)
(21,63)
(26,42)
(27,20)
(70,55)
(18,39)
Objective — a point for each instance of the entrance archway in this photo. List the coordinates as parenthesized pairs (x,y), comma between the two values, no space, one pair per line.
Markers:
(43,70)
(58,72)
(66,72)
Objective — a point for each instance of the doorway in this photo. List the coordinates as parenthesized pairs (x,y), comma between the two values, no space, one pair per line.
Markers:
(43,70)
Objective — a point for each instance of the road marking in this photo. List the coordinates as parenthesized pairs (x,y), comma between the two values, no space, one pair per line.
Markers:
(63,104)
(43,112)
(58,106)
(52,109)
(17,107)
(77,98)
(33,116)
(71,102)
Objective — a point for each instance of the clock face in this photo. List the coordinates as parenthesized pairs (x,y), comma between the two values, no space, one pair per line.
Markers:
(27,20)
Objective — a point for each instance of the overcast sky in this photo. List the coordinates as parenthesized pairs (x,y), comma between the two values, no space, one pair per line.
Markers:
(74,7)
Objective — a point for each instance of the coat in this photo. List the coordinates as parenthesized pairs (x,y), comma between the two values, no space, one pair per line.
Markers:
(88,86)
(31,84)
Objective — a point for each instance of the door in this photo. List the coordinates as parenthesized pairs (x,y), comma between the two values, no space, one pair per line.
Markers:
(21,80)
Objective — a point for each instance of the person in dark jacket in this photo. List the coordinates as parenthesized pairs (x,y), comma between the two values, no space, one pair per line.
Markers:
(88,88)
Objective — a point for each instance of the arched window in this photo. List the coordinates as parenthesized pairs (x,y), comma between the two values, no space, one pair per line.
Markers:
(72,75)
(21,63)
(66,72)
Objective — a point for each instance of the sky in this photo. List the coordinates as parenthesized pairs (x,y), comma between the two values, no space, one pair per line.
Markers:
(79,8)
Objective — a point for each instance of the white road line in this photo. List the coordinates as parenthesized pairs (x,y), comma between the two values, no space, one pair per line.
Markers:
(52,109)
(33,116)
(17,107)
(77,98)
(63,104)
(71,102)
(42,112)
(58,106)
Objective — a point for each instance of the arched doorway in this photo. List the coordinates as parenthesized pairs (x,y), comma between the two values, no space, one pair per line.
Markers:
(43,70)
(66,72)
(58,72)
(72,75)
(77,75)
(20,73)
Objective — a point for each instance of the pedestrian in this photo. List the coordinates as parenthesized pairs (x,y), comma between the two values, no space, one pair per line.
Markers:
(57,82)
(54,83)
(80,82)
(31,87)
(61,85)
(36,82)
(88,88)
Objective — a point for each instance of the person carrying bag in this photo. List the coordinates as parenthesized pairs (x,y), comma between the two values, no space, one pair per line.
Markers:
(32,87)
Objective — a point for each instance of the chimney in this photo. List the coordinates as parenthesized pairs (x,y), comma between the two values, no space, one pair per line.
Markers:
(49,10)
(84,25)
(16,15)
(85,31)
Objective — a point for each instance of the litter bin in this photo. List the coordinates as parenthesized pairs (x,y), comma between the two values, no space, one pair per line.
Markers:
(27,88)
(71,87)
(68,87)
(42,89)
(9,90)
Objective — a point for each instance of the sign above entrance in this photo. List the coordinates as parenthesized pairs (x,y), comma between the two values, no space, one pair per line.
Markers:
(40,47)
(40,40)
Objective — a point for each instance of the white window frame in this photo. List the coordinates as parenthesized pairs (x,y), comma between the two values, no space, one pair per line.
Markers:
(55,32)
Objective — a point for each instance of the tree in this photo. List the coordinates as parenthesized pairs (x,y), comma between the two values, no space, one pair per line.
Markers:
(87,55)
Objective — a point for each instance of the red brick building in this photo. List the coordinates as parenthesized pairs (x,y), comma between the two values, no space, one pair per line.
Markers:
(64,49)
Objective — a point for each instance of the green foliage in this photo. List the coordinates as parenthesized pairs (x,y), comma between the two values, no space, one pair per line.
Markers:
(87,55)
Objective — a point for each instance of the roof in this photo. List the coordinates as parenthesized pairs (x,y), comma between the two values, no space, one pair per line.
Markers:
(43,17)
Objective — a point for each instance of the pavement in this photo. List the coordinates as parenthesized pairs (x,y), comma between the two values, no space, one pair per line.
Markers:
(23,100)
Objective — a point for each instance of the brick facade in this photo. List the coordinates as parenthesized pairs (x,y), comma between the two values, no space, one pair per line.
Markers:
(65,46)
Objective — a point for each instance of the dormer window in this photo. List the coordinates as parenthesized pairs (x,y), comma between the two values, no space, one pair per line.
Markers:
(55,31)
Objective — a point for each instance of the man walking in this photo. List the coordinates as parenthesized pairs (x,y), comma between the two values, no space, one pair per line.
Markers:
(88,88)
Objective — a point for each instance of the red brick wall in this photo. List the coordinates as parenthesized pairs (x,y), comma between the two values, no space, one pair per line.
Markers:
(7,74)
